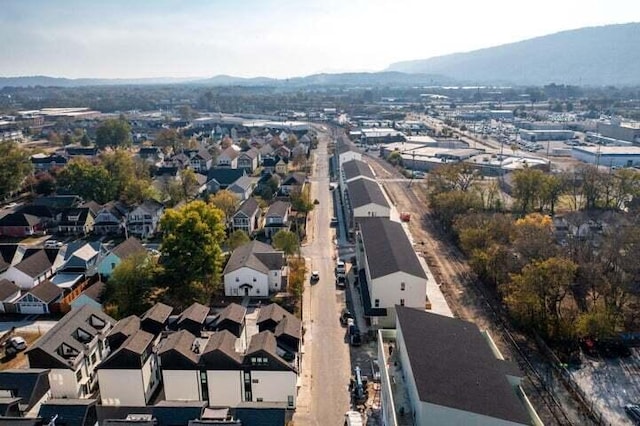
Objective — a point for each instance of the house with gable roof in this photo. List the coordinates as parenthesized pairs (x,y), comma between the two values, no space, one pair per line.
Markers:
(71,350)
(255,269)
(247,217)
(122,251)
(143,221)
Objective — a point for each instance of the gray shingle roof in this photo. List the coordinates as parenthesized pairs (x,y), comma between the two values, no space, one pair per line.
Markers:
(289,326)
(388,249)
(181,342)
(273,312)
(365,191)
(128,247)
(46,291)
(196,313)
(224,342)
(127,326)
(255,255)
(158,312)
(453,366)
(7,288)
(63,333)
(233,312)
(355,168)
(278,209)
(35,265)
(19,219)
(249,207)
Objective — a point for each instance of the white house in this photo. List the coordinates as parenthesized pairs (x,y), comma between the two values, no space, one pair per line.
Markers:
(393,273)
(130,374)
(277,218)
(449,374)
(30,271)
(229,157)
(243,187)
(344,153)
(247,217)
(143,221)
(364,198)
(71,350)
(255,269)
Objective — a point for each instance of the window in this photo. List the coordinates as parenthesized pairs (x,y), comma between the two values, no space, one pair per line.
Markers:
(254,279)
(377,303)
(79,375)
(401,302)
(401,286)
(255,381)
(237,279)
(93,358)
(259,399)
(113,266)
(247,395)
(290,400)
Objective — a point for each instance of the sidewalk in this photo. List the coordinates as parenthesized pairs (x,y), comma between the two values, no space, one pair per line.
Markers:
(304,400)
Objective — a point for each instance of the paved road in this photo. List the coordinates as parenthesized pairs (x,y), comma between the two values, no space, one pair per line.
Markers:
(329,353)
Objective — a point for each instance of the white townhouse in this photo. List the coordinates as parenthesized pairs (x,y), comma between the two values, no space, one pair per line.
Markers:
(390,273)
(364,198)
(255,269)
(353,170)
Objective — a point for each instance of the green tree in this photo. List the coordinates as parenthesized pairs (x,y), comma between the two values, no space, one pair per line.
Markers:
(89,181)
(15,166)
(301,200)
(286,241)
(85,140)
(45,184)
(236,239)
(131,284)
(395,158)
(527,188)
(113,133)
(191,252)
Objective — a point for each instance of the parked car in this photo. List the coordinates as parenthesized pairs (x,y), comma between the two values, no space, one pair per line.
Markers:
(341,268)
(354,335)
(334,221)
(341,281)
(345,316)
(14,345)
(315,276)
(52,244)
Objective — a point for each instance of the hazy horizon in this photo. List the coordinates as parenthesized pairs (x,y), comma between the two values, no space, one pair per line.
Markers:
(268,38)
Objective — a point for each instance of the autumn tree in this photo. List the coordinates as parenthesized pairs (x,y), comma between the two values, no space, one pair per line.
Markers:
(113,133)
(534,238)
(15,166)
(538,295)
(527,188)
(191,252)
(226,202)
(452,177)
(301,200)
(169,140)
(89,181)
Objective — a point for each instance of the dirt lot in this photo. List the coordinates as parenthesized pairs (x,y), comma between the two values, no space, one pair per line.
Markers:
(466,296)
(19,360)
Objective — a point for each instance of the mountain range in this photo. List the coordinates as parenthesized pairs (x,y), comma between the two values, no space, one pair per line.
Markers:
(594,56)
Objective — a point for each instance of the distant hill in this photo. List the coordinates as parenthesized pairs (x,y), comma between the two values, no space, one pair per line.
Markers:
(594,56)
(344,79)
(45,81)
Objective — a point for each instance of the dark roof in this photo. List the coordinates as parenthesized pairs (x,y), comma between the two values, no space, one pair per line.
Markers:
(257,256)
(178,412)
(196,313)
(388,249)
(46,291)
(8,252)
(289,326)
(262,413)
(76,412)
(233,312)
(272,312)
(35,265)
(95,291)
(354,168)
(279,208)
(7,288)
(20,421)
(114,415)
(251,152)
(37,210)
(266,342)
(58,201)
(150,206)
(9,406)
(249,207)
(29,384)
(181,342)
(19,219)
(92,206)
(344,147)
(128,247)
(130,354)
(225,176)
(220,350)
(202,153)
(294,179)
(453,366)
(87,318)
(365,296)
(158,313)
(365,191)
(127,326)
(82,213)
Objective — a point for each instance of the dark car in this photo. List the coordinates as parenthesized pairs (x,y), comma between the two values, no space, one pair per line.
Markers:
(633,411)
(354,336)
(345,316)
(341,281)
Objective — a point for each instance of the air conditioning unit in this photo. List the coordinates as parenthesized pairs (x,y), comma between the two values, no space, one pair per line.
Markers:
(139,417)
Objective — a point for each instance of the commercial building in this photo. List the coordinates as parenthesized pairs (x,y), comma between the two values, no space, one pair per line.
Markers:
(546,135)
(610,156)
(626,131)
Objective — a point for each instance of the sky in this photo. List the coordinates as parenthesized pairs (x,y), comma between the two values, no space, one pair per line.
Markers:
(273,38)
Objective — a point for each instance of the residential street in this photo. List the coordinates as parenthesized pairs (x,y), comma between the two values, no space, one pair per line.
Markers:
(324,397)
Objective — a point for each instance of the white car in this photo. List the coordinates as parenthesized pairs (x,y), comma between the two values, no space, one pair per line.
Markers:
(52,244)
(315,275)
